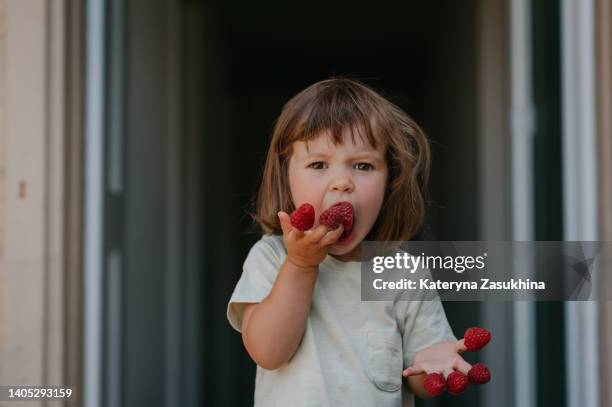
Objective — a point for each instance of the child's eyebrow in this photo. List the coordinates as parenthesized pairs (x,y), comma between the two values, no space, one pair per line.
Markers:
(370,155)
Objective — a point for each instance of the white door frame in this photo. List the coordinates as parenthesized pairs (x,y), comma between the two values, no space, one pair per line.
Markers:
(94,194)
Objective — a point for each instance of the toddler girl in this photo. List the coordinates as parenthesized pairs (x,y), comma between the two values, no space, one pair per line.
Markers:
(297,303)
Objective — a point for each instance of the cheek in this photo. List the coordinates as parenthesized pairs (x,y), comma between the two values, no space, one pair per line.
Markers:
(304,187)
(375,187)
(374,190)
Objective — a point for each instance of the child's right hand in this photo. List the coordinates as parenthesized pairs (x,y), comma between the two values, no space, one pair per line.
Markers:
(307,249)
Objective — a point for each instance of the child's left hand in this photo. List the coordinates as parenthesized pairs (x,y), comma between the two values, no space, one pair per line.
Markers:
(442,357)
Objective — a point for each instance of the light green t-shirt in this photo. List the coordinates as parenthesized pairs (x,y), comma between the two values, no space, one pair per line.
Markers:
(353,352)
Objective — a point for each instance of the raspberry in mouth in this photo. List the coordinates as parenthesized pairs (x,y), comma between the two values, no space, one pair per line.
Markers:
(339,213)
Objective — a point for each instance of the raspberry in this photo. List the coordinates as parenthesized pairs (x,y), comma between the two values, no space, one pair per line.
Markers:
(434,384)
(476,338)
(341,212)
(303,217)
(479,374)
(456,383)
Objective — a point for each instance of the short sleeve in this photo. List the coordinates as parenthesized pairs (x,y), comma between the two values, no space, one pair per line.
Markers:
(422,321)
(259,272)
(425,324)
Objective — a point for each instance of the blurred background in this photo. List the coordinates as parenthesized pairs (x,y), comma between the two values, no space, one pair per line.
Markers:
(132,138)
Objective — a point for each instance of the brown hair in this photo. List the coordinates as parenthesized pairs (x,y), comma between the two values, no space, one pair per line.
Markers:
(335,105)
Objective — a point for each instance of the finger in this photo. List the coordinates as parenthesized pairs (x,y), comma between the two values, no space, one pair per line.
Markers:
(462,366)
(296,233)
(287,227)
(447,372)
(285,222)
(317,233)
(332,236)
(460,346)
(412,371)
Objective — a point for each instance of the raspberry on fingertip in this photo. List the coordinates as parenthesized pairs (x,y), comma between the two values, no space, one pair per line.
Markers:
(476,338)
(303,217)
(434,384)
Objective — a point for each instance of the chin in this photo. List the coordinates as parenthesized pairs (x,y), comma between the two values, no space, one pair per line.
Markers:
(338,251)
(342,248)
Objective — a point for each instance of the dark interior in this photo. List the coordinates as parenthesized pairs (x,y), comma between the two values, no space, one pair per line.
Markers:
(249,58)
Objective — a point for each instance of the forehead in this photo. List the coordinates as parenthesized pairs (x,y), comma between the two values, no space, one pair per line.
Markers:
(324,144)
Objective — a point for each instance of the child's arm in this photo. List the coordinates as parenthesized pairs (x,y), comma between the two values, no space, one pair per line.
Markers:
(272,329)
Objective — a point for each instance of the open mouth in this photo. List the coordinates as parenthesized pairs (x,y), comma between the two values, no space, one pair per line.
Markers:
(346,232)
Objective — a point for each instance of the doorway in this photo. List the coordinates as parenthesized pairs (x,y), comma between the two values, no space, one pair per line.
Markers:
(247,59)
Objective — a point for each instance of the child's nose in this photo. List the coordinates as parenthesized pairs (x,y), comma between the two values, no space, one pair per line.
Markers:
(342,184)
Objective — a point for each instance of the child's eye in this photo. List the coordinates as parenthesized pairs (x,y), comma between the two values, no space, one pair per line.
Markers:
(364,166)
(318,165)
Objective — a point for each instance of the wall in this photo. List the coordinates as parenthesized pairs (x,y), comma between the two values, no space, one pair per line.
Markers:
(33,196)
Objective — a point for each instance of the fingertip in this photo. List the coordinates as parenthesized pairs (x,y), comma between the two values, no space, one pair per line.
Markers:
(338,231)
(461,346)
(284,224)
(320,229)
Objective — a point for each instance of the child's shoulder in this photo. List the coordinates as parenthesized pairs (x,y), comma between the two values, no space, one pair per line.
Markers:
(272,244)
(266,255)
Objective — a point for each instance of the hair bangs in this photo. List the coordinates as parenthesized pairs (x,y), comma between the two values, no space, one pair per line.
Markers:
(336,110)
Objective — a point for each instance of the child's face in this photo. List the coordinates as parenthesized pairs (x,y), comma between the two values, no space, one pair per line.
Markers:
(326,174)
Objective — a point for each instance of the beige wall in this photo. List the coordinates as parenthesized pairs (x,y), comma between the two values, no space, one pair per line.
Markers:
(33,194)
